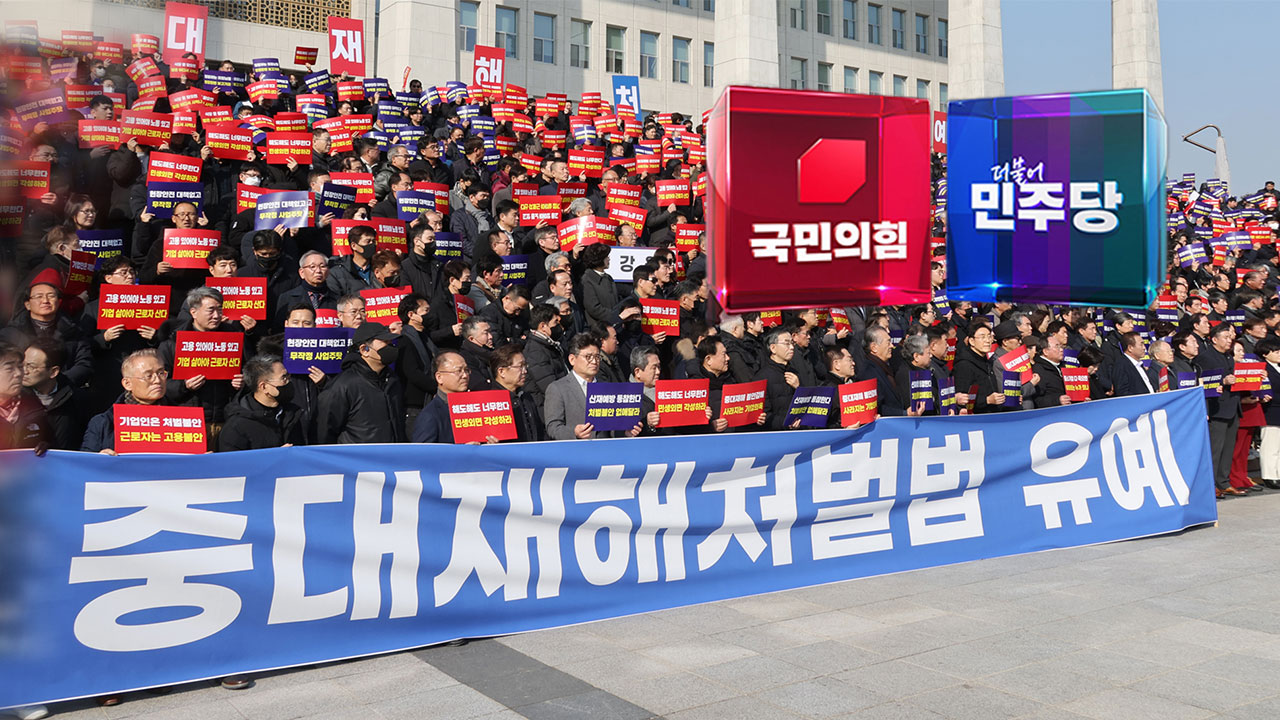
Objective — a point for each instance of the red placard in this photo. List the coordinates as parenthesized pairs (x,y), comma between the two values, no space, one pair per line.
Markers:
(79,96)
(660,316)
(260,122)
(168,167)
(1249,376)
(488,68)
(519,190)
(380,304)
(857,403)
(939,132)
(132,306)
(215,355)
(362,182)
(189,248)
(79,41)
(293,122)
(263,90)
(341,229)
(672,192)
(622,194)
(214,115)
(110,52)
(840,319)
(539,208)
(1261,234)
(192,100)
(142,68)
(184,29)
(283,146)
(326,317)
(29,177)
(350,91)
(79,272)
(184,123)
(554,139)
(441,192)
(184,69)
(586,230)
(743,403)
(305,55)
(247,196)
(479,414)
(464,306)
(648,164)
(393,234)
(681,402)
(159,429)
(1076,381)
(150,128)
(143,44)
(346,46)
(633,216)
(1018,360)
(687,236)
(771,318)
(241,296)
(586,161)
(570,192)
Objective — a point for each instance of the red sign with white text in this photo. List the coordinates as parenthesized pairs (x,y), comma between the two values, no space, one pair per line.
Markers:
(539,208)
(150,128)
(681,402)
(346,46)
(488,70)
(478,415)
(857,403)
(361,181)
(132,306)
(189,248)
(168,167)
(241,296)
(687,236)
(380,304)
(743,403)
(660,316)
(215,355)
(159,429)
(283,146)
(184,31)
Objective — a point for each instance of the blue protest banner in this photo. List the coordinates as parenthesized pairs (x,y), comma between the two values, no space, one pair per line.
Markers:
(318,82)
(151,570)
(323,348)
(377,85)
(614,406)
(921,389)
(264,65)
(290,209)
(515,270)
(102,243)
(811,406)
(411,204)
(222,81)
(334,199)
(449,245)
(626,91)
(1011,386)
(163,196)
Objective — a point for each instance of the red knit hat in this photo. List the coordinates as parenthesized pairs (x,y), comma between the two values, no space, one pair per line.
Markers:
(48,276)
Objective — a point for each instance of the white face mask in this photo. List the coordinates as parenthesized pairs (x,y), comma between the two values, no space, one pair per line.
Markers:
(99,72)
(108,88)
(254,180)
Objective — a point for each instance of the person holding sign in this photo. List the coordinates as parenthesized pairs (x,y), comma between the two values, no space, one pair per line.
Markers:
(263,416)
(879,350)
(713,364)
(974,373)
(148,240)
(433,424)
(781,382)
(143,376)
(510,372)
(362,404)
(1053,389)
(1224,408)
(1269,447)
(565,409)
(202,312)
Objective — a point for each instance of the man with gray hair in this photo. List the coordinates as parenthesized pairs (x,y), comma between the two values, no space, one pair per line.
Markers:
(744,362)
(202,312)
(780,382)
(558,260)
(580,207)
(915,351)
(878,347)
(313,268)
(477,350)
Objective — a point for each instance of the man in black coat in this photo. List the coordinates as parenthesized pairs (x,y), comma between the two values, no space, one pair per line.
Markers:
(879,349)
(972,368)
(362,404)
(311,289)
(1053,390)
(476,349)
(1224,410)
(509,316)
(1128,377)
(510,373)
(542,351)
(263,416)
(780,381)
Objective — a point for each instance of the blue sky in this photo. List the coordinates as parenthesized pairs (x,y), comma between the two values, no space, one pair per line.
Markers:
(1209,51)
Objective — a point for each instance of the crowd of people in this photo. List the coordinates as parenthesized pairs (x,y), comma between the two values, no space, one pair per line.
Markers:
(570,322)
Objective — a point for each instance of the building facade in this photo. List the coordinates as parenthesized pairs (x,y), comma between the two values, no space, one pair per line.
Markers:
(684,51)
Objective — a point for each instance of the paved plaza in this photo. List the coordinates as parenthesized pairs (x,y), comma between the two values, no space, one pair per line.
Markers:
(1183,626)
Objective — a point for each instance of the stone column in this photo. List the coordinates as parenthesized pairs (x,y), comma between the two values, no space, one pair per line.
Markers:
(746,43)
(1135,47)
(975,63)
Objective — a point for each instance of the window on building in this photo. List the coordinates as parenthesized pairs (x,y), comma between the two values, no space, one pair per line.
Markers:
(506,34)
(922,34)
(873,24)
(708,64)
(899,29)
(580,44)
(680,59)
(648,54)
(709,6)
(680,3)
(850,79)
(799,13)
(615,40)
(942,38)
(849,20)
(874,82)
(942,96)
(467,12)
(824,16)
(544,38)
(799,69)
(824,76)
(900,85)
(922,89)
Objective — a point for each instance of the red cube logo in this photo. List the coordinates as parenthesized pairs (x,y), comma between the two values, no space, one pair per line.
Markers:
(818,199)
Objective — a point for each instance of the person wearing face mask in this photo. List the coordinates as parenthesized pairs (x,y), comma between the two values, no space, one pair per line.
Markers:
(363,403)
(442,321)
(386,269)
(263,416)
(268,261)
(354,272)
(471,220)
(222,178)
(422,270)
(543,352)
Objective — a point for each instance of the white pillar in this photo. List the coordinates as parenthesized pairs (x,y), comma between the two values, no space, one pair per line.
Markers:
(1135,47)
(975,63)
(421,35)
(746,43)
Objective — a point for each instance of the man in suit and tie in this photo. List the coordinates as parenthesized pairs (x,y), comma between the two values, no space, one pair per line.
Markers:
(1127,374)
(565,409)
(1053,389)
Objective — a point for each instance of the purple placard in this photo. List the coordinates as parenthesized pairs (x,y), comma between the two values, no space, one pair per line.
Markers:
(410,204)
(318,82)
(63,69)
(947,397)
(1186,380)
(263,65)
(921,389)
(335,199)
(102,243)
(376,85)
(169,194)
(290,209)
(449,245)
(614,406)
(1210,380)
(1011,386)
(1070,358)
(515,270)
(811,406)
(48,106)
(319,347)
(217,81)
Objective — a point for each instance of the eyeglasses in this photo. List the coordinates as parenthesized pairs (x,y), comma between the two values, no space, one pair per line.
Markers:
(314,266)
(184,215)
(45,296)
(590,358)
(785,343)
(521,366)
(150,376)
(124,272)
(33,367)
(464,370)
(88,211)
(357,311)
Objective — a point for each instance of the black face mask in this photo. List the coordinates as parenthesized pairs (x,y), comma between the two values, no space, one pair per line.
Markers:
(268,263)
(284,393)
(557,332)
(392,280)
(387,354)
(367,251)
(466,287)
(429,250)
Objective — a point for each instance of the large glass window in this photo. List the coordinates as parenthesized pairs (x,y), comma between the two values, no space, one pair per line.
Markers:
(900,29)
(922,34)
(506,34)
(922,89)
(648,54)
(874,82)
(615,42)
(824,17)
(680,59)
(942,97)
(900,85)
(942,38)
(824,76)
(849,21)
(580,44)
(467,12)
(799,13)
(544,38)
(799,69)
(850,79)
(873,24)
